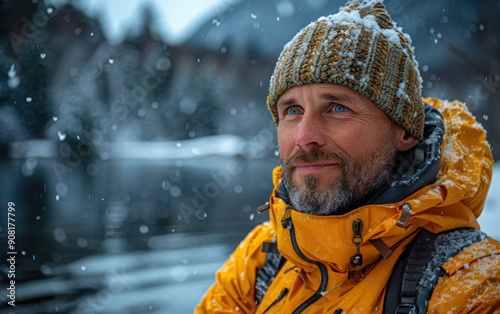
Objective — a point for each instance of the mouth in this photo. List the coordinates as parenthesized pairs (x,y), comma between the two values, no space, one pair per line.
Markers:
(312,168)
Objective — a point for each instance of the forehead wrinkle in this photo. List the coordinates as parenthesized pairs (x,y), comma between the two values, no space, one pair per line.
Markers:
(285,101)
(338,96)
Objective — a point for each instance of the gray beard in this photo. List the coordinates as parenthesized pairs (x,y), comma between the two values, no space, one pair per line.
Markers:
(341,197)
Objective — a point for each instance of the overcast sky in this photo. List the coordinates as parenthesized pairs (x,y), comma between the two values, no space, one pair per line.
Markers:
(175,18)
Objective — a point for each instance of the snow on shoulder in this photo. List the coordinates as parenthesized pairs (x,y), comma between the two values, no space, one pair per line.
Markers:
(490,217)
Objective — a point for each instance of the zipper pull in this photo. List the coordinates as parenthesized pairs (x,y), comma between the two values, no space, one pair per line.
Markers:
(357,239)
(404,217)
(286,220)
(263,208)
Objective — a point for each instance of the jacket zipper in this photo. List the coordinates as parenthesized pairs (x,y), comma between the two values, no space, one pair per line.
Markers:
(286,222)
(280,296)
(357,239)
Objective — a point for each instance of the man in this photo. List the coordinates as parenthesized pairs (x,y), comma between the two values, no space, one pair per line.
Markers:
(366,167)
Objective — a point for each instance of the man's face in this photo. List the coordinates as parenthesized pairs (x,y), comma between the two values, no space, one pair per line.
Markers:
(336,147)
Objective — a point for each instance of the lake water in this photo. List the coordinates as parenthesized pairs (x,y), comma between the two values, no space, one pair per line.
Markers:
(124,236)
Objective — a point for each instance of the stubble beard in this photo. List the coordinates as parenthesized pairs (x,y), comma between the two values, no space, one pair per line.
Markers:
(358,180)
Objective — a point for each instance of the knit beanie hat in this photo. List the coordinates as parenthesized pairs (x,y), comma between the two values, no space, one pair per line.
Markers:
(361,48)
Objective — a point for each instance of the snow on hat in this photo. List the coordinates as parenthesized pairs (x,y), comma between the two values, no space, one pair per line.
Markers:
(361,48)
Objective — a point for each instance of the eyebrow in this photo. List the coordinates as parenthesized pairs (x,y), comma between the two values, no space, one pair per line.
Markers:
(286,102)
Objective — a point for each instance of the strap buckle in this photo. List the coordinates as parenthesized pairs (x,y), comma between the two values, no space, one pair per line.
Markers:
(407,309)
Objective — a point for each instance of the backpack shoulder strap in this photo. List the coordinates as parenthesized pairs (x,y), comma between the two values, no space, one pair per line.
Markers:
(401,288)
(265,275)
(419,268)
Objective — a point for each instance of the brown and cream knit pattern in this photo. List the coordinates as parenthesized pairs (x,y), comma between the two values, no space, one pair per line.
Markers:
(359,48)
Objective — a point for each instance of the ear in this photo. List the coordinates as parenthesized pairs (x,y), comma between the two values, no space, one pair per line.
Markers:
(402,140)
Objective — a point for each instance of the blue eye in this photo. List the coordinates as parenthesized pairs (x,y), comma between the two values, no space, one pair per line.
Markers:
(339,108)
(293,111)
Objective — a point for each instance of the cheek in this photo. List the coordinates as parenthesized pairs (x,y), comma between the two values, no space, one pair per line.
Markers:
(286,143)
(356,142)
(365,144)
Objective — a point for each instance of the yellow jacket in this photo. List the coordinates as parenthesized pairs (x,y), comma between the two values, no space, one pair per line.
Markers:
(455,200)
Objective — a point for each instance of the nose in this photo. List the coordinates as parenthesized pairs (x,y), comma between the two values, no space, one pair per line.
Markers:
(310,132)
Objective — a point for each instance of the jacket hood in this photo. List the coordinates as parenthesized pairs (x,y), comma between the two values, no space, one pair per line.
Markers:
(446,191)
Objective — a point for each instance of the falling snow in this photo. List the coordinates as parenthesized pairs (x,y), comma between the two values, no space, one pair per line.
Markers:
(107,133)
